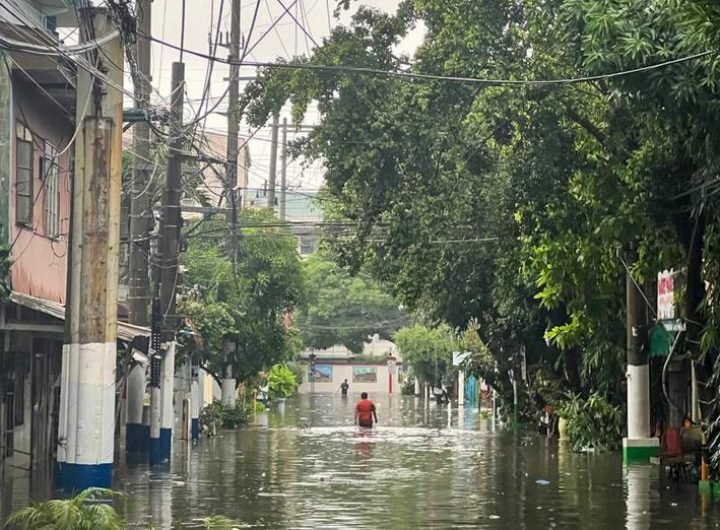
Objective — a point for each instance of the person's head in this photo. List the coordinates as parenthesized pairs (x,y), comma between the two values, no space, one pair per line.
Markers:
(687,422)
(346,380)
(363,395)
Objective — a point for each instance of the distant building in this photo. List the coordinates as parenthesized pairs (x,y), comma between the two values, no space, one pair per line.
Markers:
(374,371)
(303,213)
(212,185)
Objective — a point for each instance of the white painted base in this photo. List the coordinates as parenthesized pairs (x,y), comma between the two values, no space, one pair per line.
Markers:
(638,394)
(229,391)
(167,369)
(87,404)
(135,395)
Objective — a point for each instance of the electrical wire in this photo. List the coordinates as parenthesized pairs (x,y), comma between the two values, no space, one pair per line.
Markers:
(431,77)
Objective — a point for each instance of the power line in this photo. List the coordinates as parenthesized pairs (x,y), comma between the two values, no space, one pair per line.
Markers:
(431,77)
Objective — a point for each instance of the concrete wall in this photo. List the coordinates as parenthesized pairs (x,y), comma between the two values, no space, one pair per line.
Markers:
(342,371)
(39,262)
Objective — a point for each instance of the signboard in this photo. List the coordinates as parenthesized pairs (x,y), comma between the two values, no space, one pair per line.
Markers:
(320,373)
(459,357)
(666,295)
(364,374)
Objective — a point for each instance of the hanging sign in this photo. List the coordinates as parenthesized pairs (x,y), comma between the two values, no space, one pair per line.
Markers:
(666,296)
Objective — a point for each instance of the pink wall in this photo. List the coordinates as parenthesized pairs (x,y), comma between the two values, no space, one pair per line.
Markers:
(39,262)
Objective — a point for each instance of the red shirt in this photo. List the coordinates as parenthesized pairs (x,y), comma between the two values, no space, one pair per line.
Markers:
(364,410)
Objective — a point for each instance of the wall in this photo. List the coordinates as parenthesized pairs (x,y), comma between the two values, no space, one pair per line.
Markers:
(40,263)
(342,371)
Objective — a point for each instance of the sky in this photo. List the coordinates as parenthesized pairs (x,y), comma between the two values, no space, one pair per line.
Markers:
(285,40)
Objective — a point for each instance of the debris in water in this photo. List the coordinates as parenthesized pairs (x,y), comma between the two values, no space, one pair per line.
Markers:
(542,482)
(494,516)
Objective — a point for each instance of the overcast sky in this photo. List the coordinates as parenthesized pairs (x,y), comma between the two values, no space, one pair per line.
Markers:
(284,40)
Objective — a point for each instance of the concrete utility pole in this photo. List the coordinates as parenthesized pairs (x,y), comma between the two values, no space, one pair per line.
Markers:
(231,172)
(273,162)
(169,249)
(638,446)
(137,433)
(283,172)
(87,392)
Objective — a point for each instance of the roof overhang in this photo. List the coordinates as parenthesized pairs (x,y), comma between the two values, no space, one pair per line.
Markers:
(126,332)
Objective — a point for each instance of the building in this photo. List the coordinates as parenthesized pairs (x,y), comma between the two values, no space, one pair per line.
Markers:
(302,212)
(37,124)
(211,186)
(375,371)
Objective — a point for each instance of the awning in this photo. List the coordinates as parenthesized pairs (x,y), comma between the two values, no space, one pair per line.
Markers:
(126,332)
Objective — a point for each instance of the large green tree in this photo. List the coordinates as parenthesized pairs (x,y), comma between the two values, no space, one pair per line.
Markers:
(341,309)
(515,202)
(242,297)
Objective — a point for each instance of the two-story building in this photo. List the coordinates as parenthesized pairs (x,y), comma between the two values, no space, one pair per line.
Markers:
(37,127)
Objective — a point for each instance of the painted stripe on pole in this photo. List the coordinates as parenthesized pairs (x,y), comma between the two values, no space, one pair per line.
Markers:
(87,416)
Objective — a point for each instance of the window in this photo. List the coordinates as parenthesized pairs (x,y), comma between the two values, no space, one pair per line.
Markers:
(51,174)
(24,165)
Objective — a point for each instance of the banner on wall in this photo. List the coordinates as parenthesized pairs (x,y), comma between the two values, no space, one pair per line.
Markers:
(320,373)
(364,374)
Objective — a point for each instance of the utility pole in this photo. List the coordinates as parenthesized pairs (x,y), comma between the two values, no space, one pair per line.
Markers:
(273,162)
(231,174)
(86,424)
(169,250)
(638,446)
(283,172)
(137,431)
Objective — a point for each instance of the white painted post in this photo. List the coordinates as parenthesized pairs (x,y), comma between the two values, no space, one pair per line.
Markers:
(86,422)
(167,410)
(194,403)
(461,388)
(135,433)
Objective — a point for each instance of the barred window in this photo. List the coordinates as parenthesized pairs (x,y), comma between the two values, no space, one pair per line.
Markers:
(24,172)
(51,175)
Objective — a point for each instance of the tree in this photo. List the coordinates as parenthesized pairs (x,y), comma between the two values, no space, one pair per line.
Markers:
(243,301)
(341,309)
(427,351)
(514,203)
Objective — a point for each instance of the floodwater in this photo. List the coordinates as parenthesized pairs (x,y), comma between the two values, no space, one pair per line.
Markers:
(308,467)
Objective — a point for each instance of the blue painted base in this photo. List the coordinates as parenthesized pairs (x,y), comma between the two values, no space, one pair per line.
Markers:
(165,444)
(73,478)
(154,453)
(195,429)
(137,438)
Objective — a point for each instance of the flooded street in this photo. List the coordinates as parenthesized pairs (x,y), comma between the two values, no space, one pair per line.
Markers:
(309,467)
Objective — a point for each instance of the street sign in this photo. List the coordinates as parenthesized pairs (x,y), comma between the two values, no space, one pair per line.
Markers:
(459,357)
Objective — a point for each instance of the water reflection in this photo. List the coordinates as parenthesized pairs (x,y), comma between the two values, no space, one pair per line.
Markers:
(308,466)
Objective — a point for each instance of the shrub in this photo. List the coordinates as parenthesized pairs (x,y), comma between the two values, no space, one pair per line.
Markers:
(88,510)
(217,416)
(282,382)
(592,423)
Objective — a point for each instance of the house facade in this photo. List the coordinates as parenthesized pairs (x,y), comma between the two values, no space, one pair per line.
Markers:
(37,128)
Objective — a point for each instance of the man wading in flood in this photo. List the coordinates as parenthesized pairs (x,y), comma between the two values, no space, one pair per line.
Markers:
(344,388)
(365,412)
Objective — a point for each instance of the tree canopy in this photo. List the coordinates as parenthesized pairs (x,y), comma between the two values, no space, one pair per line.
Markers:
(514,200)
(243,299)
(342,309)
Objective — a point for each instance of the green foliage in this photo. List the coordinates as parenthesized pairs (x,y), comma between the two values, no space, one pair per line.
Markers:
(514,204)
(427,351)
(281,382)
(243,299)
(344,309)
(217,415)
(88,510)
(593,423)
